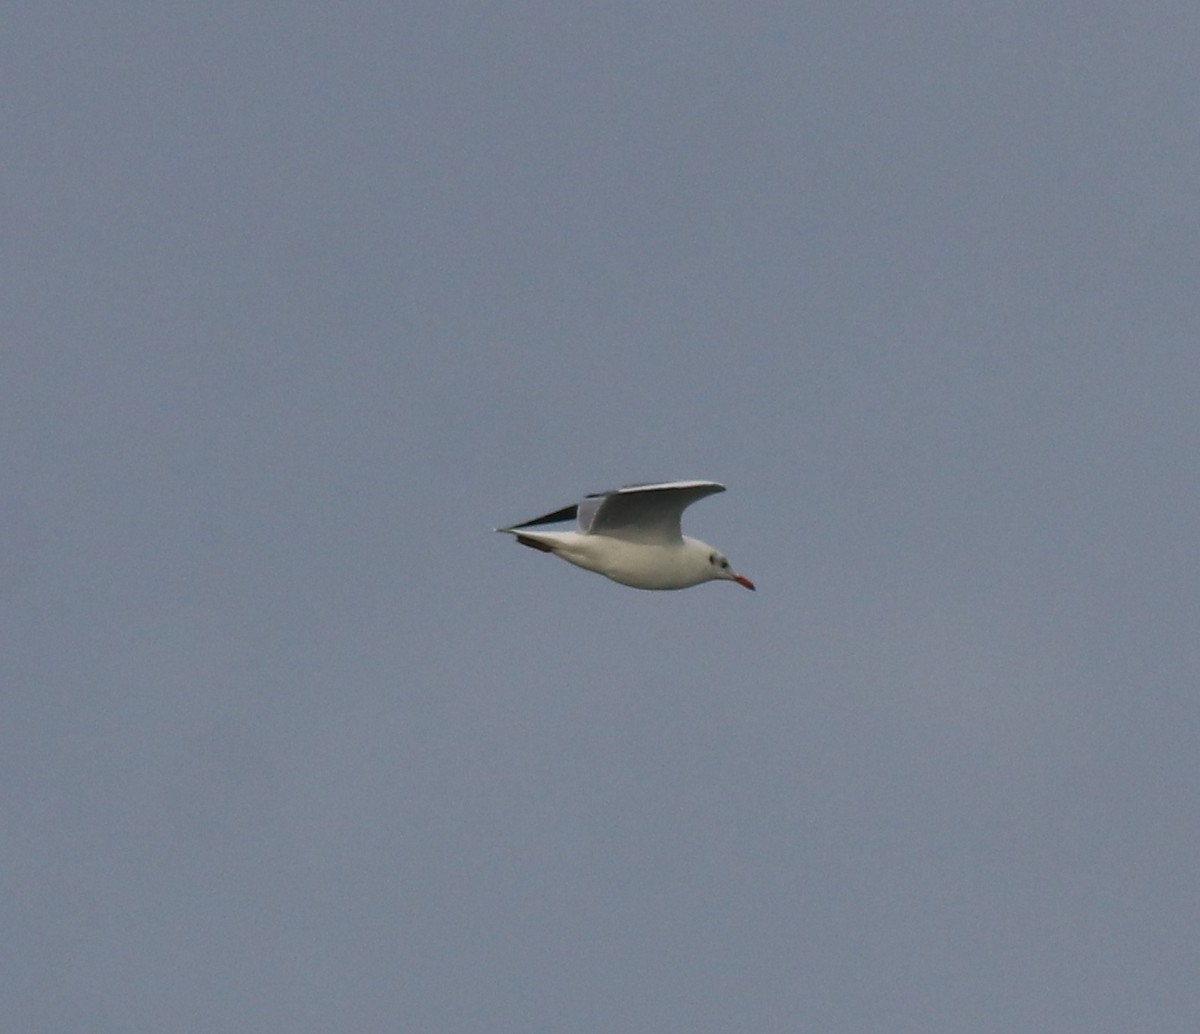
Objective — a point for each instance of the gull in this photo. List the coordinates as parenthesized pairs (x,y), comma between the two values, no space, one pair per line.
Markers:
(632,536)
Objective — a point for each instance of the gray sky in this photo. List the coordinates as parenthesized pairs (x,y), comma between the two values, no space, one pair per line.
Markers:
(302,301)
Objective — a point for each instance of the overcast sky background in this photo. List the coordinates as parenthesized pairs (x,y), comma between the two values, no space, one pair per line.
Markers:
(300,301)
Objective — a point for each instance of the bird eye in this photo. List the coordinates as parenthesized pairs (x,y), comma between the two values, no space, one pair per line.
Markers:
(724,562)
(712,558)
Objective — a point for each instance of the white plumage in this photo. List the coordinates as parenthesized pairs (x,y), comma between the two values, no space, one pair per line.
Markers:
(632,535)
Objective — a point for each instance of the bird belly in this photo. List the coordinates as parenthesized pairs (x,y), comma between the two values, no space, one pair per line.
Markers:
(638,565)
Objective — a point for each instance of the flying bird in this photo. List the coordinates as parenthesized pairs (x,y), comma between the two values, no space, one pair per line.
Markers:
(632,536)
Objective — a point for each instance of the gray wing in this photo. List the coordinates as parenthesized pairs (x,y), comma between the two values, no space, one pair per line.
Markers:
(643,513)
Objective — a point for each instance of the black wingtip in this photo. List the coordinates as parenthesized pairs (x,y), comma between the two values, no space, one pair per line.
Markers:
(567,513)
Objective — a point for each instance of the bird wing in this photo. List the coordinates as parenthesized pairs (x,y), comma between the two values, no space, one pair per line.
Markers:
(567,513)
(643,513)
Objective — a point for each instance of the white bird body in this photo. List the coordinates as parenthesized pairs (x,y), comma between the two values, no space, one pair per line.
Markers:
(632,536)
